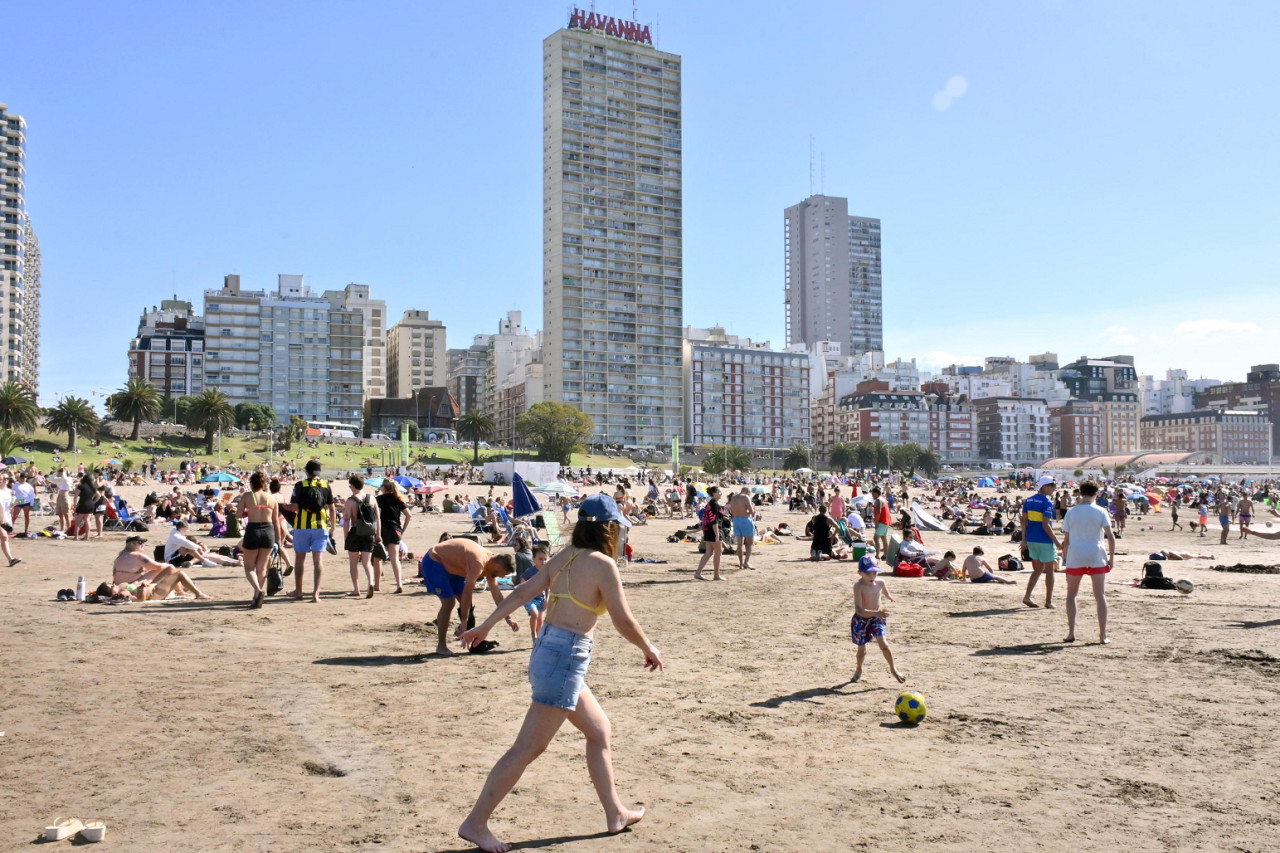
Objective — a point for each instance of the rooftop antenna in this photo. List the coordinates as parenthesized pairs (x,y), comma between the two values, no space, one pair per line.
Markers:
(633,12)
(811,164)
(822,173)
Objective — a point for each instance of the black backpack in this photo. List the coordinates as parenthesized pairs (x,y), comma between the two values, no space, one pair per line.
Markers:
(1153,577)
(364,520)
(311,495)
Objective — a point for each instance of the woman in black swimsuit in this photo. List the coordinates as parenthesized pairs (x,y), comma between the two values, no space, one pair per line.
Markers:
(262,517)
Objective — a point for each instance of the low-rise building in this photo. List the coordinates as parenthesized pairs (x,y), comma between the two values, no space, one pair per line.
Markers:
(1259,392)
(433,409)
(168,350)
(1239,437)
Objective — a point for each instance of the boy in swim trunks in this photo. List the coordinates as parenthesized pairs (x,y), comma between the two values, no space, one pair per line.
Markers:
(870,620)
(978,570)
(1245,508)
(450,571)
(538,603)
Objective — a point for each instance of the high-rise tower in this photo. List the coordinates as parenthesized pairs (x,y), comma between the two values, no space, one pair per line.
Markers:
(19,260)
(612,228)
(832,289)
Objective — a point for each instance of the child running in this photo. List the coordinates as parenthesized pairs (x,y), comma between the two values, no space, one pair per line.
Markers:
(869,619)
(538,603)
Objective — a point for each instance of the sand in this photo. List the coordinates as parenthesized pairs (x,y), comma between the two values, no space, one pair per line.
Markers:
(204,726)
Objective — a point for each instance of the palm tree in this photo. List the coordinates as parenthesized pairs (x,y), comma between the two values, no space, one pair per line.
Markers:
(881,454)
(864,452)
(843,456)
(18,408)
(727,457)
(72,416)
(137,401)
(929,461)
(475,426)
(797,457)
(905,457)
(293,431)
(10,441)
(211,411)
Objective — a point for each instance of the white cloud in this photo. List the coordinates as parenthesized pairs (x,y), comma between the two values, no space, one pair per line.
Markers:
(1119,335)
(955,87)
(1198,330)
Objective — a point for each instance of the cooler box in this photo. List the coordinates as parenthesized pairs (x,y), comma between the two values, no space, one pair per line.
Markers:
(859,550)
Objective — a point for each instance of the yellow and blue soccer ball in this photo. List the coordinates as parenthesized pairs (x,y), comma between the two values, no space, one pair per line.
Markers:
(910,708)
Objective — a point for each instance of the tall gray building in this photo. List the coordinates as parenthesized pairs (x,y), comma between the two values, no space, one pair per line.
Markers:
(19,260)
(832,289)
(612,228)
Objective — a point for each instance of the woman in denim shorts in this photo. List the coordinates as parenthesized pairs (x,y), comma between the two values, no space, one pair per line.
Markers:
(582,584)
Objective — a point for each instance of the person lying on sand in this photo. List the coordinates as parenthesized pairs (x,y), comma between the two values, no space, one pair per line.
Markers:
(144,579)
(978,570)
(1184,555)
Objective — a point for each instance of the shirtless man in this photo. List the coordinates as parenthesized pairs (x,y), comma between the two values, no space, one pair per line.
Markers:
(744,527)
(1245,508)
(450,571)
(136,571)
(978,570)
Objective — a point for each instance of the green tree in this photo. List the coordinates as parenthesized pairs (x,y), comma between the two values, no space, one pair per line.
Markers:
(904,457)
(929,461)
(137,401)
(797,457)
(727,457)
(1078,473)
(881,454)
(176,410)
(211,412)
(260,415)
(864,452)
(73,416)
(843,456)
(475,426)
(10,442)
(1120,469)
(292,431)
(1105,470)
(557,430)
(18,408)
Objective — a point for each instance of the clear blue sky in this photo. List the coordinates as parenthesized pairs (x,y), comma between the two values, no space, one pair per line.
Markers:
(1106,182)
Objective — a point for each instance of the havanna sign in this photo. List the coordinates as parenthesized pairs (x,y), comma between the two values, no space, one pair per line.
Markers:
(629,30)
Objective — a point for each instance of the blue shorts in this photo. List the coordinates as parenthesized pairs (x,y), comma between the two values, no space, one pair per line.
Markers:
(987,577)
(744,527)
(558,667)
(1224,520)
(539,603)
(1043,552)
(439,581)
(310,540)
(866,628)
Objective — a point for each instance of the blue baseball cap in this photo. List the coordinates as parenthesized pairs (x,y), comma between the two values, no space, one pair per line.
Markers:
(868,564)
(601,508)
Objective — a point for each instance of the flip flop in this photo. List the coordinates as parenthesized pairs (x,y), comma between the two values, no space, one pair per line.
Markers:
(483,648)
(62,828)
(14,562)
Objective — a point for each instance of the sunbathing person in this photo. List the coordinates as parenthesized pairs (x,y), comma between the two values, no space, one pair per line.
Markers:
(1185,555)
(978,570)
(144,579)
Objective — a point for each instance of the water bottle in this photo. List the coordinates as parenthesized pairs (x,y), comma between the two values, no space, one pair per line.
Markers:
(80,589)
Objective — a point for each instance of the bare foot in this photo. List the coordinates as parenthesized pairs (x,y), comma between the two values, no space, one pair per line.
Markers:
(203,597)
(698,576)
(482,838)
(355,594)
(625,818)
(445,652)
(857,676)
(1030,603)
(1070,639)
(1048,606)
(902,679)
(294,595)
(716,578)
(748,566)
(398,589)
(1105,641)
(315,598)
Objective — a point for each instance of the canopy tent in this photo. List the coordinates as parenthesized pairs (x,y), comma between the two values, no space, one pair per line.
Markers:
(924,520)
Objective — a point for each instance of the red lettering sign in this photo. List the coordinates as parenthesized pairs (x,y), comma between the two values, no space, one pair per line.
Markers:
(629,30)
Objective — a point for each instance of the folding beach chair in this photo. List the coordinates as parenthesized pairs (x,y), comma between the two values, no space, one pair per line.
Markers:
(552,528)
(113,520)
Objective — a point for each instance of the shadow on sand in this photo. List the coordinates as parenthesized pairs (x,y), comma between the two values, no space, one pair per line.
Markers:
(810,695)
(403,660)
(995,611)
(1270,623)
(1027,649)
(540,843)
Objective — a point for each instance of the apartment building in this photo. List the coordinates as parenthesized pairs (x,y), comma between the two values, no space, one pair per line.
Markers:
(613,284)
(510,349)
(1259,392)
(1175,394)
(1112,384)
(168,350)
(416,354)
(1075,429)
(19,259)
(743,393)
(355,297)
(465,378)
(832,285)
(520,391)
(293,350)
(1240,437)
(1014,430)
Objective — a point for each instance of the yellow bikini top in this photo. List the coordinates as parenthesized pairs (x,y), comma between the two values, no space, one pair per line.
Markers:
(554,596)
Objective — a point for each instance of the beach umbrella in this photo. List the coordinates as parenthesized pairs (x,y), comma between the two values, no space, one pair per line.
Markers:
(523,501)
(374,482)
(804,471)
(1153,497)
(430,488)
(408,482)
(557,488)
(219,477)
(113,461)
(758,490)
(14,460)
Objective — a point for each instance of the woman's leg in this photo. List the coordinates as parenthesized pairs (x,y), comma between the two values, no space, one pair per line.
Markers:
(716,547)
(395,566)
(541,723)
(251,571)
(590,719)
(377,574)
(353,562)
(1073,590)
(366,559)
(4,546)
(1100,597)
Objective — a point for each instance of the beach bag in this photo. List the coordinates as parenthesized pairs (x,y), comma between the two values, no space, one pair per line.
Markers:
(1157,556)
(380,551)
(363,525)
(908,570)
(275,580)
(1009,563)
(1153,577)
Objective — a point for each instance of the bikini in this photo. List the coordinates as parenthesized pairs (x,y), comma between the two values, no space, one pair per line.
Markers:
(599,610)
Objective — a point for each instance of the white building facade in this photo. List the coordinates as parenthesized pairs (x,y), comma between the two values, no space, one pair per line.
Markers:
(416,354)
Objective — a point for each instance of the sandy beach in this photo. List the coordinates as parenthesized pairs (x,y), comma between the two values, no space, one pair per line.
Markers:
(205,726)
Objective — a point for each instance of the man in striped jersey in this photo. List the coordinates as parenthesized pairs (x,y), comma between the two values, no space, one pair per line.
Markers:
(313,529)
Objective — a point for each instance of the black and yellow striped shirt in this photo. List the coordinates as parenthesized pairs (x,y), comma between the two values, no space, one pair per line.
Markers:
(309,519)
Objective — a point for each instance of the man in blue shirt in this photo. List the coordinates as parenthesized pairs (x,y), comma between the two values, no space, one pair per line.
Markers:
(1038,536)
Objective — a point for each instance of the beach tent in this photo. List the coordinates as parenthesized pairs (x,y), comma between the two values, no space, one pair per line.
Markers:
(924,520)
(987,482)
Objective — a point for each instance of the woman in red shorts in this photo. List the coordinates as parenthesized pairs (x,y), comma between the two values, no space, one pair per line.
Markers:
(1084,529)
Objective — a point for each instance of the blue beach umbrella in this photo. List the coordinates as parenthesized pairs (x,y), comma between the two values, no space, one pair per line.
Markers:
(408,482)
(524,503)
(219,477)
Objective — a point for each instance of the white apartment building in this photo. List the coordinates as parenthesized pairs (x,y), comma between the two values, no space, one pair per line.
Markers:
(355,297)
(520,391)
(19,259)
(1014,430)
(976,385)
(416,354)
(168,350)
(612,228)
(465,378)
(511,348)
(289,349)
(1173,395)
(832,287)
(743,393)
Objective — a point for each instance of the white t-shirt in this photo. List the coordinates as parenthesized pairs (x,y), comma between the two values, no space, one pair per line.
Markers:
(854,521)
(23,493)
(1086,524)
(175,543)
